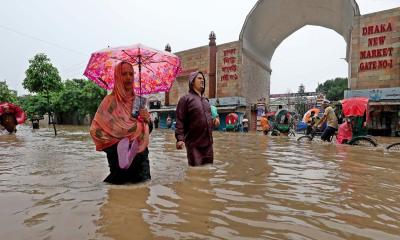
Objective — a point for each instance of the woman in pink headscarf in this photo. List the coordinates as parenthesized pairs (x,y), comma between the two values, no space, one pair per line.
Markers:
(114,122)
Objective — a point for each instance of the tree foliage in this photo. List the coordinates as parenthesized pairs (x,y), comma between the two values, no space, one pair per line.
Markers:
(301,101)
(333,88)
(302,89)
(34,105)
(7,95)
(41,76)
(78,96)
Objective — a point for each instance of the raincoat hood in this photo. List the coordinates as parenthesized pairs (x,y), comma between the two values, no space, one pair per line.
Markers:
(192,76)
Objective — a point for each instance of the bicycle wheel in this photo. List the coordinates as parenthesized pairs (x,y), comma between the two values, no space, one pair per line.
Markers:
(363,141)
(394,147)
(305,138)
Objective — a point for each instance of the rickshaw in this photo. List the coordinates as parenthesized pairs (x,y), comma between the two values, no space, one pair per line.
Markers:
(356,111)
(282,123)
(232,123)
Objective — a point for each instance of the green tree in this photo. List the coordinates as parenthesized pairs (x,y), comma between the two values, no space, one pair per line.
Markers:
(7,95)
(302,89)
(34,105)
(43,78)
(333,88)
(301,101)
(92,97)
(78,98)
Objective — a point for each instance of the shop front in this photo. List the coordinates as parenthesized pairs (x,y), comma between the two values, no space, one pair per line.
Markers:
(384,110)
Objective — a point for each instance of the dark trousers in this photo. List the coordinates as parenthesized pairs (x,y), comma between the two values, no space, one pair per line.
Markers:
(328,133)
(200,155)
(139,170)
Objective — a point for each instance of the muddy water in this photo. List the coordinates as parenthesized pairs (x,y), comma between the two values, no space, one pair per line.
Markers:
(259,188)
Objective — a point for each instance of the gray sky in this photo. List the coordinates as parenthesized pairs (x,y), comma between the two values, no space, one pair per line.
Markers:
(68,31)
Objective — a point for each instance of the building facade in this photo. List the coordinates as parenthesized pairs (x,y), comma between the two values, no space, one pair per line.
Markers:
(375,68)
(238,73)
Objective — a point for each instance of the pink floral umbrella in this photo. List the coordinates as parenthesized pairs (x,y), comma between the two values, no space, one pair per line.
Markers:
(155,71)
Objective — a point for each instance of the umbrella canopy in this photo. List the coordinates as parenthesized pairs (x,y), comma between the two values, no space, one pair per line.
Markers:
(155,71)
(231,119)
(307,115)
(19,114)
(354,106)
(280,113)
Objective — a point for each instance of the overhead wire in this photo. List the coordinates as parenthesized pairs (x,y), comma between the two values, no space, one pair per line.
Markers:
(42,40)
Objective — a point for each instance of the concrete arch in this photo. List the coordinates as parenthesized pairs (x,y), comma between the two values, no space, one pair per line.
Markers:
(272,21)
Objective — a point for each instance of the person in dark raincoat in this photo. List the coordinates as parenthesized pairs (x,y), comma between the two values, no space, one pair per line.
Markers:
(194,123)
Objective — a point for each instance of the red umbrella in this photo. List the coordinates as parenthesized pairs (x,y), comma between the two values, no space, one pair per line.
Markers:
(19,114)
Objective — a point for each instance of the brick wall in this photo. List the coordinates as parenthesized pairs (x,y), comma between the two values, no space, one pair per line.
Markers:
(196,59)
(375,50)
(237,74)
(229,64)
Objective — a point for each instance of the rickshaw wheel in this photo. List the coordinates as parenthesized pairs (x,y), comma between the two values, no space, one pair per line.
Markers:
(292,133)
(362,141)
(305,138)
(394,146)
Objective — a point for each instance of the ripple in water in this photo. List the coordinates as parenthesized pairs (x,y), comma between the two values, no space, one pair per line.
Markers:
(258,188)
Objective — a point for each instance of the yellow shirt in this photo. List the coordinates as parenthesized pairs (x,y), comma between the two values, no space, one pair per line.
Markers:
(331,118)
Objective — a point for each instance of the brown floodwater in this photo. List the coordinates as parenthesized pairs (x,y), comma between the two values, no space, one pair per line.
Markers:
(258,188)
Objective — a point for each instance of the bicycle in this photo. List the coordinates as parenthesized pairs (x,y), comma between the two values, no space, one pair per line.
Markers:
(359,140)
(309,137)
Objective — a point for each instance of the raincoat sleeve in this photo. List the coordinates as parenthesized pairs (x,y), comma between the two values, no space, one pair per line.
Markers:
(181,110)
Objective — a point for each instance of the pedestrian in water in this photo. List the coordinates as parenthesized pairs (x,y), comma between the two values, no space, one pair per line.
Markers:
(245,124)
(8,122)
(194,123)
(265,125)
(169,121)
(9,114)
(114,128)
(156,122)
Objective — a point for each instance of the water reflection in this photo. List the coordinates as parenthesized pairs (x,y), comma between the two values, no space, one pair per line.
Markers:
(259,188)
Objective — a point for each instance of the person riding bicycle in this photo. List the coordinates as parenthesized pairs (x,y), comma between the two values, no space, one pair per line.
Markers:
(310,123)
(331,119)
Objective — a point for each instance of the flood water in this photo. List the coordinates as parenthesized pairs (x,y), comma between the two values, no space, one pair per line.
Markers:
(258,188)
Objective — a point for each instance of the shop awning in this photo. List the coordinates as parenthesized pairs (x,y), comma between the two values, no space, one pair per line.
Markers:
(391,103)
(226,109)
(162,110)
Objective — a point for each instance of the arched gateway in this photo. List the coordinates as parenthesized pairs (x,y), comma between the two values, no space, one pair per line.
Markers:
(239,72)
(272,21)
